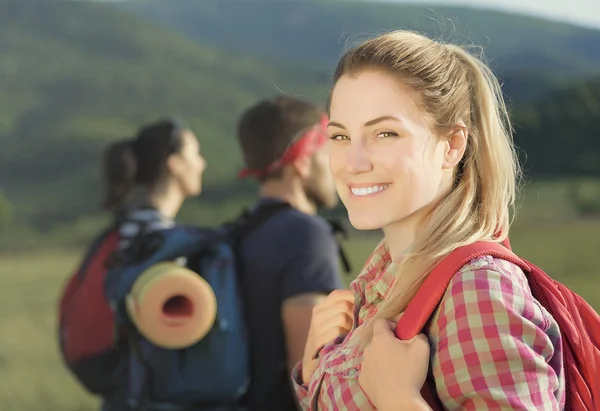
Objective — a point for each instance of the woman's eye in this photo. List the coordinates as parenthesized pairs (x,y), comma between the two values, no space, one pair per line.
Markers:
(387,134)
(338,137)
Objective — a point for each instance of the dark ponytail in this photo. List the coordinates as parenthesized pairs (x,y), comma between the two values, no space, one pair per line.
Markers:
(120,169)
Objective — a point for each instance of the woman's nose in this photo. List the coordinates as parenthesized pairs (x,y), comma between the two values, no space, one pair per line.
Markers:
(358,160)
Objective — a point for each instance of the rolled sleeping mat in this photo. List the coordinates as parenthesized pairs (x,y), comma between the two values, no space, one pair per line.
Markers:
(172,306)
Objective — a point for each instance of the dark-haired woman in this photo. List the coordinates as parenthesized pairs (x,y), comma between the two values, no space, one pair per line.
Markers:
(148,178)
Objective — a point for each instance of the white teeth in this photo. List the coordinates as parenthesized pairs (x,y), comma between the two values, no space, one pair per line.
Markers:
(367,190)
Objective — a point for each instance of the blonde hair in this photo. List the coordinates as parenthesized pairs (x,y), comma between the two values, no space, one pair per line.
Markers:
(452,86)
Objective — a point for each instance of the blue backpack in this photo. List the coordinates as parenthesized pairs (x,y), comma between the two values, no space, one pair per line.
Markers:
(216,370)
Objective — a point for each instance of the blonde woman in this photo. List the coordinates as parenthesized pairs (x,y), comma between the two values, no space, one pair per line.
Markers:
(421,148)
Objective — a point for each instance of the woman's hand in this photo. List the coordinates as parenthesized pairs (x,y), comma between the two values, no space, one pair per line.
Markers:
(331,318)
(393,371)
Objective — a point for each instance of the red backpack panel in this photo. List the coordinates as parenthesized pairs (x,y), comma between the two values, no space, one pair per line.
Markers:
(87,332)
(578,321)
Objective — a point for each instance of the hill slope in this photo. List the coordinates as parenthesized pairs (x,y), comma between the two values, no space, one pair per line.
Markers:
(76,75)
(316,31)
(559,133)
(542,63)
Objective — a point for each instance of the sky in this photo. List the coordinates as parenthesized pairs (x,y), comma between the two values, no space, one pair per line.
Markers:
(581,12)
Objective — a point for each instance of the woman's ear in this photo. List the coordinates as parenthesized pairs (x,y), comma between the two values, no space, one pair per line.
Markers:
(456,144)
(175,165)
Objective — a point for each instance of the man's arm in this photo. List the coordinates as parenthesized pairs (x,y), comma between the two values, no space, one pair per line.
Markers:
(296,314)
(309,274)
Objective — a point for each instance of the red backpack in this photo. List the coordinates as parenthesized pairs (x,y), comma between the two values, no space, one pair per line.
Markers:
(578,322)
(87,333)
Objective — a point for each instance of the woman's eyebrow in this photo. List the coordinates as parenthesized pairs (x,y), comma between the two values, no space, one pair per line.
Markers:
(380,119)
(368,123)
(334,124)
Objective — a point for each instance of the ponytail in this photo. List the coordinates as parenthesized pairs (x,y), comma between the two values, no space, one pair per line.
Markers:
(494,157)
(120,169)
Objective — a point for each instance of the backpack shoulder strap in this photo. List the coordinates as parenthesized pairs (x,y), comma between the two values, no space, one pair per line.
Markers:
(431,292)
(107,234)
(337,227)
(249,221)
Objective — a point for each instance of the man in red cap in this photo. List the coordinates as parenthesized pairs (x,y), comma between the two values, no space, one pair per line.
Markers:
(291,262)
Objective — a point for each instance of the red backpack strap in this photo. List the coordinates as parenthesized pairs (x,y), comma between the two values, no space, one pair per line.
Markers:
(431,292)
(434,287)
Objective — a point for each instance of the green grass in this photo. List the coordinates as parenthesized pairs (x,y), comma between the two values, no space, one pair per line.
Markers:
(32,377)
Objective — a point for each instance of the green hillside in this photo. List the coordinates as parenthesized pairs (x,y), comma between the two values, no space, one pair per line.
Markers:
(76,75)
(541,63)
(316,31)
(559,133)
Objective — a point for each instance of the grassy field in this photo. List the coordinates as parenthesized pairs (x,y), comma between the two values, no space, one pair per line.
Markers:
(32,377)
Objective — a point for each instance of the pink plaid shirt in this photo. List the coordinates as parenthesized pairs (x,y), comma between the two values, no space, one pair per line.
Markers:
(493,347)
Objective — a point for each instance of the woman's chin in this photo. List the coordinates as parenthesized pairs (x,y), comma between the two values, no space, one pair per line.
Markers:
(364,222)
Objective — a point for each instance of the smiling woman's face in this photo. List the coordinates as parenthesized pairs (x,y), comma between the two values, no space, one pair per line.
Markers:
(387,164)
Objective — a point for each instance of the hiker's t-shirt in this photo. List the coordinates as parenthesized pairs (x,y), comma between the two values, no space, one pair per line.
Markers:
(291,253)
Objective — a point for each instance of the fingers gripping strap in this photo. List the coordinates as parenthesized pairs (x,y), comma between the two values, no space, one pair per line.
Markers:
(432,290)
